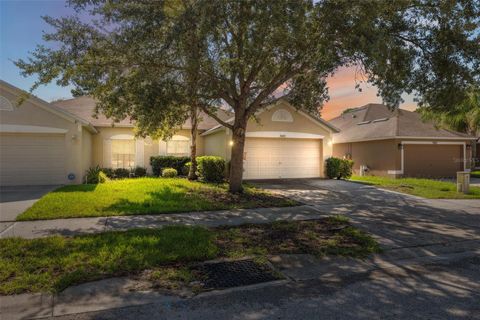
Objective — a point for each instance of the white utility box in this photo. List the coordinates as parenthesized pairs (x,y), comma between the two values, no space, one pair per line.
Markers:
(463,181)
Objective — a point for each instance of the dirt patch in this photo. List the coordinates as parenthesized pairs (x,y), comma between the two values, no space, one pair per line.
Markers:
(250,198)
(317,237)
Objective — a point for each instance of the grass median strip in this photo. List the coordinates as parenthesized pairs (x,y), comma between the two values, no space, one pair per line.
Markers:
(426,188)
(54,263)
(146,196)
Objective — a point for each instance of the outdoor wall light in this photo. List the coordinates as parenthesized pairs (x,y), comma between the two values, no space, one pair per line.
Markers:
(230,143)
(329,143)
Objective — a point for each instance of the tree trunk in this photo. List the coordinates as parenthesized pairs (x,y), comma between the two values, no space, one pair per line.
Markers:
(236,161)
(192,173)
(472,155)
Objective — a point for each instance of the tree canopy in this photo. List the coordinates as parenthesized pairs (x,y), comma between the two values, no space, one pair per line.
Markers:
(247,54)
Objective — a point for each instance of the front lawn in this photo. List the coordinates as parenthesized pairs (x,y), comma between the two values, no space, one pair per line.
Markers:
(146,196)
(165,255)
(426,188)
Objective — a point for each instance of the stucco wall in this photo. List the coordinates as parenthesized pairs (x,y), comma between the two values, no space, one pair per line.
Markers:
(380,156)
(86,150)
(30,113)
(216,144)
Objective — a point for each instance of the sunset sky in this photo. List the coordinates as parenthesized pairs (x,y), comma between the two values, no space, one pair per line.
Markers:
(21,28)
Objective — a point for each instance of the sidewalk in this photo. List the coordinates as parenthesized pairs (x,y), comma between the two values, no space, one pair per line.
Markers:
(75,226)
(298,269)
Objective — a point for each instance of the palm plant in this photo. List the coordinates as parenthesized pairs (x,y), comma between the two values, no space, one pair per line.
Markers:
(464,117)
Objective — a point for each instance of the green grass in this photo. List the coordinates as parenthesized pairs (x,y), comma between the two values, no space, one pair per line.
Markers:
(475,174)
(164,255)
(54,263)
(426,188)
(145,196)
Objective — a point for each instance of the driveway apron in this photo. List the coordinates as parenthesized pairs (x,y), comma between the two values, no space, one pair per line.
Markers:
(396,220)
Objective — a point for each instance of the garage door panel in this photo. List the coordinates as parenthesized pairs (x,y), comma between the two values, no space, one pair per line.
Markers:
(29,159)
(433,161)
(282,158)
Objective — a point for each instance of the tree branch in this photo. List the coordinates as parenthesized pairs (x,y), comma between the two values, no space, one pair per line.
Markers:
(269,89)
(214,116)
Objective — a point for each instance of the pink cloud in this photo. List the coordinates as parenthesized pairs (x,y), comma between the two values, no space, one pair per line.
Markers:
(343,94)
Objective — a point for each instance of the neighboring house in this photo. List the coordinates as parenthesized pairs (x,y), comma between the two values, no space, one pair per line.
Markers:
(398,143)
(40,144)
(44,143)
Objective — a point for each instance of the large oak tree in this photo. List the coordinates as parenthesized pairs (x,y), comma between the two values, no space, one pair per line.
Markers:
(250,53)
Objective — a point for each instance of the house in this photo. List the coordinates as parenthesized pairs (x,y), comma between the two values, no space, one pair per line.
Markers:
(45,143)
(398,143)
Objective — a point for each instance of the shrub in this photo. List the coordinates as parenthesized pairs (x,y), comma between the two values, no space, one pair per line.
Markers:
(121,173)
(140,172)
(169,173)
(95,175)
(186,168)
(211,168)
(91,175)
(332,167)
(338,168)
(346,168)
(160,162)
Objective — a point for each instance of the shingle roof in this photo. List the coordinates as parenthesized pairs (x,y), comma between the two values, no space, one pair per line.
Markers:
(377,121)
(84,107)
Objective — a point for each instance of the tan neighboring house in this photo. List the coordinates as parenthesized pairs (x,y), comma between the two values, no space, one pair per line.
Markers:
(40,144)
(398,143)
(45,143)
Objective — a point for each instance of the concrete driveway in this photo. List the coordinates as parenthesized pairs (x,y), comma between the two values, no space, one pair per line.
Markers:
(16,199)
(398,221)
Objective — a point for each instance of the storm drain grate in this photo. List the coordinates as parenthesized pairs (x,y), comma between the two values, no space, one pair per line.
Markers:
(230,274)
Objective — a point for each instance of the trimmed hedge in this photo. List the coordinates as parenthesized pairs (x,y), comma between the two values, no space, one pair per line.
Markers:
(160,162)
(169,173)
(211,168)
(338,168)
(139,172)
(121,173)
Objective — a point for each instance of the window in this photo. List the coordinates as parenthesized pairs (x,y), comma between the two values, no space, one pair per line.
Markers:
(5,104)
(179,145)
(282,115)
(123,153)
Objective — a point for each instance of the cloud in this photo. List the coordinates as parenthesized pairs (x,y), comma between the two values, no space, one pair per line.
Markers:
(343,94)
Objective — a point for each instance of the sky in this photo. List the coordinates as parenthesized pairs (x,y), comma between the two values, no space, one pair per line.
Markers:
(21,29)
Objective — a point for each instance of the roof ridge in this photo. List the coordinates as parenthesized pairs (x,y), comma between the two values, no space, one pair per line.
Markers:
(354,110)
(368,107)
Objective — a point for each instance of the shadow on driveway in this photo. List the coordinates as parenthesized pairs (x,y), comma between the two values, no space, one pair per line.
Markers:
(16,199)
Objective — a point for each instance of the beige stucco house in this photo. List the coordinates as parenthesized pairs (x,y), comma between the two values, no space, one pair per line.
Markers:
(55,143)
(398,143)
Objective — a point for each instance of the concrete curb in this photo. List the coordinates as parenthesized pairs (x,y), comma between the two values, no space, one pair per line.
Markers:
(117,292)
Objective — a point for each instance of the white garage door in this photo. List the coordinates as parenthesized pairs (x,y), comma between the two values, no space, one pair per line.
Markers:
(273,158)
(32,159)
